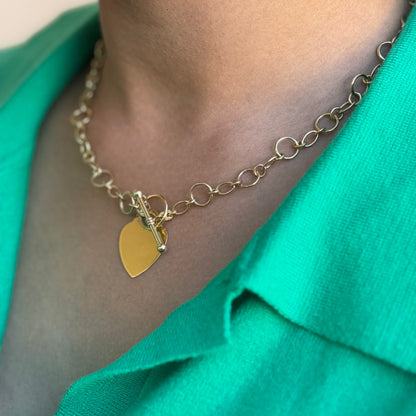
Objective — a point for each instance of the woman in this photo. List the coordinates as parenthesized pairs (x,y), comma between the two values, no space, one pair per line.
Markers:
(295,296)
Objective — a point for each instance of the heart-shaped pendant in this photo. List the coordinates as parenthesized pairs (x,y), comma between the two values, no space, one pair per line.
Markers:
(138,247)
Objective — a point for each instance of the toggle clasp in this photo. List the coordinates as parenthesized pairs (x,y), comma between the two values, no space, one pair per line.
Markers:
(144,212)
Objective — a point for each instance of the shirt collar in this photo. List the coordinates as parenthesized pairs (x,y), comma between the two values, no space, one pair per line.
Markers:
(334,258)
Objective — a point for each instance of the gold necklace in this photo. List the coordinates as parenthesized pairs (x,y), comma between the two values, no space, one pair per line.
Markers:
(143,239)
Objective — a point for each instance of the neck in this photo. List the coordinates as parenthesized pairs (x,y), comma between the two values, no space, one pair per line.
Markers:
(197,55)
(230,73)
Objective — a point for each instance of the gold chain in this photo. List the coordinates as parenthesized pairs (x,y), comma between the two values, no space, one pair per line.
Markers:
(247,178)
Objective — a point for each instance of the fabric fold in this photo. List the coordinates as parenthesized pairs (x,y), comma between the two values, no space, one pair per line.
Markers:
(336,258)
(69,40)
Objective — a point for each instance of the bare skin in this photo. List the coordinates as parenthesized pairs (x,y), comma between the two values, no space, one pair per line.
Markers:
(192,91)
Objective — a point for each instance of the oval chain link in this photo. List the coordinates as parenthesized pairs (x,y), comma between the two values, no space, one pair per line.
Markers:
(247,178)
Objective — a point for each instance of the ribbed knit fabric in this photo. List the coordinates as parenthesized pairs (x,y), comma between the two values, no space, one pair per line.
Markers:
(316,315)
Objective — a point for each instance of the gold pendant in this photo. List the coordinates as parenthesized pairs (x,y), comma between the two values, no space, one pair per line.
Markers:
(138,247)
(142,241)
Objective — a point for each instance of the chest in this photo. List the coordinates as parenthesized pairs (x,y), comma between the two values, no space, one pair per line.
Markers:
(74,308)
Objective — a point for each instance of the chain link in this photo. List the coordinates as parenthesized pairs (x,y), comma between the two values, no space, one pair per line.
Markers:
(248,177)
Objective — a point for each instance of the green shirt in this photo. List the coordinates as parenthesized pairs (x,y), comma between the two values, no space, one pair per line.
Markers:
(315,316)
